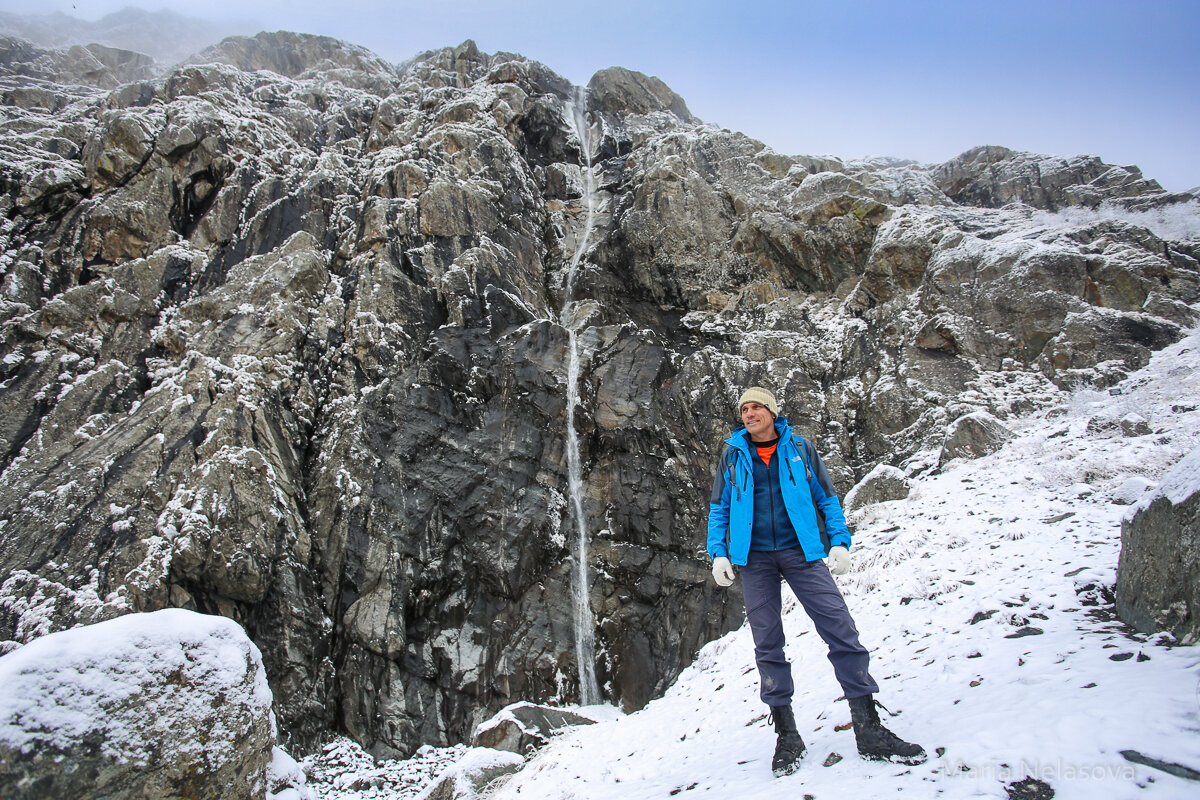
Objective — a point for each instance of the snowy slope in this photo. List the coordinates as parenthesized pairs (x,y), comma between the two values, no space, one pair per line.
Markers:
(983,599)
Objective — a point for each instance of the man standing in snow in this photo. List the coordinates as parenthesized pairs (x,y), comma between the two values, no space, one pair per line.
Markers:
(774,513)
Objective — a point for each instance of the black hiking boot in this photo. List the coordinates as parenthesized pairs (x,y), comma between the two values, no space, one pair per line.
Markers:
(876,742)
(789,747)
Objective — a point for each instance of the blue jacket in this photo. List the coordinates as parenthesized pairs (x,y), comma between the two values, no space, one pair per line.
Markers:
(804,484)
(772,528)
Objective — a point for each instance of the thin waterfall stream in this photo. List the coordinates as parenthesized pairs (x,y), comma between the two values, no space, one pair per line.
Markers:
(585,623)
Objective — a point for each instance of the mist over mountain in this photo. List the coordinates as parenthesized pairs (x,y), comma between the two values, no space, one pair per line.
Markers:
(165,36)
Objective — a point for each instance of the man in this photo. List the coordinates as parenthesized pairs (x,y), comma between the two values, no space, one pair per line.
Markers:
(774,513)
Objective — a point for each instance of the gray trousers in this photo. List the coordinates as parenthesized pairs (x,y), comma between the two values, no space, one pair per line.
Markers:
(818,594)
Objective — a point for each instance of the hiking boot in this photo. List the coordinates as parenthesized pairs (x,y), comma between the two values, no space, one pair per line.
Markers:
(876,742)
(789,747)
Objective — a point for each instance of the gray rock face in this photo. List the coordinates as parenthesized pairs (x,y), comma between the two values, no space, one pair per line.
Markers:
(281,340)
(996,176)
(620,90)
(89,65)
(880,485)
(168,705)
(1158,574)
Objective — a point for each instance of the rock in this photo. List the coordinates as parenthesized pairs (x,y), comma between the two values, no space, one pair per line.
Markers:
(480,769)
(1021,633)
(624,91)
(285,775)
(523,727)
(171,704)
(88,65)
(1158,588)
(974,435)
(1171,768)
(1029,789)
(996,176)
(880,485)
(292,54)
(1085,340)
(1131,490)
(1102,425)
(1135,425)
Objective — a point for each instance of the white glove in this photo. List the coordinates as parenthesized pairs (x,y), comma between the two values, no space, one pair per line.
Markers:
(723,571)
(839,560)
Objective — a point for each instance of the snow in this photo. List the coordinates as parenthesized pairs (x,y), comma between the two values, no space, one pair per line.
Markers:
(983,600)
(344,771)
(1131,490)
(1178,485)
(1176,221)
(69,685)
(287,774)
(476,760)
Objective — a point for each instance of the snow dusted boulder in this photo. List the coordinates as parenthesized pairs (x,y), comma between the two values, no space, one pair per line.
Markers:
(1130,491)
(1135,425)
(169,704)
(880,485)
(522,727)
(472,775)
(1158,574)
(974,436)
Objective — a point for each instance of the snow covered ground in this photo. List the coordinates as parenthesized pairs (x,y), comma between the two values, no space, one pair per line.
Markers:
(985,598)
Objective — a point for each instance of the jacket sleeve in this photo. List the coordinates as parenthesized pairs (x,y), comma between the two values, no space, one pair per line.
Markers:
(718,511)
(825,496)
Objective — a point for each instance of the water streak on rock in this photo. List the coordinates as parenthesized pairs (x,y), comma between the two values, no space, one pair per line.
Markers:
(585,640)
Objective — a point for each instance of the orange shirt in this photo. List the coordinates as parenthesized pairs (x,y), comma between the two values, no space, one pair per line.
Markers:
(765,451)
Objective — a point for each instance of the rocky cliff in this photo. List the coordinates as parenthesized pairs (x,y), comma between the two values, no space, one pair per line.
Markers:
(284,339)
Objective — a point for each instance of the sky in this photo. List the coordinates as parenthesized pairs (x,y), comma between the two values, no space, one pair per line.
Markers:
(915,79)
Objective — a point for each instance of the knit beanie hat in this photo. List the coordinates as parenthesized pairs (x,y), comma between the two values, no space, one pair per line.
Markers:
(757,394)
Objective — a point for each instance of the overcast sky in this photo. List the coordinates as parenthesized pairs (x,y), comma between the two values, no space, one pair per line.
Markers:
(911,78)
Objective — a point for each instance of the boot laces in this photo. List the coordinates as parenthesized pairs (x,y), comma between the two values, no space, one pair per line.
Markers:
(890,713)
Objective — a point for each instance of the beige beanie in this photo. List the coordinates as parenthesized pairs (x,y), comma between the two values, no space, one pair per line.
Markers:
(757,394)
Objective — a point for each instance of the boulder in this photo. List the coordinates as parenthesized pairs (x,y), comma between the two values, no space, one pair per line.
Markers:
(524,727)
(1158,573)
(617,90)
(1135,425)
(880,485)
(169,704)
(1130,491)
(473,775)
(973,436)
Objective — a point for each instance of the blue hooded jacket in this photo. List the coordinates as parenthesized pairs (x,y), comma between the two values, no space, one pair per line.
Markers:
(803,482)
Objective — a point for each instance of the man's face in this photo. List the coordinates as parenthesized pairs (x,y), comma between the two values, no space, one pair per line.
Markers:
(759,421)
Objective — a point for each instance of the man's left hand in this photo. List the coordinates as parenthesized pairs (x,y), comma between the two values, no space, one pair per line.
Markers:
(839,560)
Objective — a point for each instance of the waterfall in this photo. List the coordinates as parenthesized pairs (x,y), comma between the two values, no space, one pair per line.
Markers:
(585,623)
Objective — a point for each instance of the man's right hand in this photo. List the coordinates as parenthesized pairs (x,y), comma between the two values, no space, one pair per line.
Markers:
(723,571)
